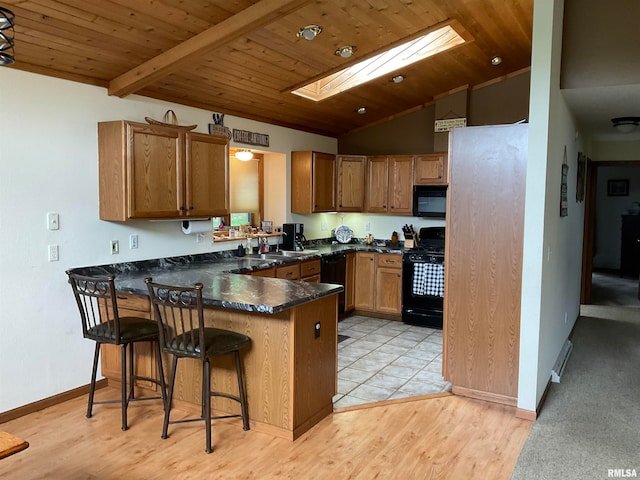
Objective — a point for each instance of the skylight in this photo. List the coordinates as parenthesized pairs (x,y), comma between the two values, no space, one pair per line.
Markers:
(406,54)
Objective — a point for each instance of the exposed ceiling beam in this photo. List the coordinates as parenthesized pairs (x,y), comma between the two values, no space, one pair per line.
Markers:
(256,16)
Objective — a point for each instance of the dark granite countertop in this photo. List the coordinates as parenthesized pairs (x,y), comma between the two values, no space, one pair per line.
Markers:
(223,287)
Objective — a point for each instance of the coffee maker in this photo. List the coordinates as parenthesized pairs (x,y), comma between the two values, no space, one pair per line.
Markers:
(293,236)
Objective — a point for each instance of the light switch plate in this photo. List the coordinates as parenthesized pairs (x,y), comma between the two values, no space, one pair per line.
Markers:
(53,221)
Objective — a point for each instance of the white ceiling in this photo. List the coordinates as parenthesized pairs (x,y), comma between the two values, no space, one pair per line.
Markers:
(594,107)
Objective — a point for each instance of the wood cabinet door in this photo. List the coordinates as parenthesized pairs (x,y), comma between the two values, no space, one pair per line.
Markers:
(401,184)
(430,169)
(288,272)
(377,184)
(350,284)
(324,182)
(365,277)
(388,290)
(266,272)
(351,183)
(154,167)
(207,175)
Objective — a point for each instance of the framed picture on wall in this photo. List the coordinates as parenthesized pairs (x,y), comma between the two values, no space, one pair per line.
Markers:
(618,187)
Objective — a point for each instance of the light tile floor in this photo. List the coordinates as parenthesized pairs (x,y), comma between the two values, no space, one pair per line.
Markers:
(384,359)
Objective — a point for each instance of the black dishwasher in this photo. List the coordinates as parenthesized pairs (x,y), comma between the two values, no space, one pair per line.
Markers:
(334,270)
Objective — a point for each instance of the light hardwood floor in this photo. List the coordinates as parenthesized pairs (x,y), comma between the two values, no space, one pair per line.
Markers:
(442,437)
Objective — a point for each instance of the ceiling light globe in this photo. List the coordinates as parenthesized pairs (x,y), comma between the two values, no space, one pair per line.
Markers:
(244,155)
(346,51)
(309,32)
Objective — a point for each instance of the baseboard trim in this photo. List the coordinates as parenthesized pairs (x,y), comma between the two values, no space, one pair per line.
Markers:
(49,402)
(383,316)
(486,396)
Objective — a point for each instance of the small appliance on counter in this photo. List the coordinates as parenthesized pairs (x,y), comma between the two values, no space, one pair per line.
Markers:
(293,236)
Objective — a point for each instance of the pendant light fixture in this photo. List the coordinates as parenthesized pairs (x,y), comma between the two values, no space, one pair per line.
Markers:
(7,20)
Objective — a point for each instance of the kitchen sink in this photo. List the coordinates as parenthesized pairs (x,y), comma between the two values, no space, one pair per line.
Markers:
(287,253)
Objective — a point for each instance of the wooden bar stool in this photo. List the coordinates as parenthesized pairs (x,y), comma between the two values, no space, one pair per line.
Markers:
(97,302)
(179,313)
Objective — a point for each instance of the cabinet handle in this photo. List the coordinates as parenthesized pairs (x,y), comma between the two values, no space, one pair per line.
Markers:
(191,207)
(181,208)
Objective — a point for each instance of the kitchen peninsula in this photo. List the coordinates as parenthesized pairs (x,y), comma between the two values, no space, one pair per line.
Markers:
(291,364)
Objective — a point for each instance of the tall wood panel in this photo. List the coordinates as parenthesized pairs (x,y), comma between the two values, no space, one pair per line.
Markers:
(483,265)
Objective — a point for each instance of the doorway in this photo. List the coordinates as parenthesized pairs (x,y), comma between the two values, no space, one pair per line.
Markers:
(602,283)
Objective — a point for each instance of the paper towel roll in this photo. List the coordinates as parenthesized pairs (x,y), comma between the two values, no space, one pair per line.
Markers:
(189,227)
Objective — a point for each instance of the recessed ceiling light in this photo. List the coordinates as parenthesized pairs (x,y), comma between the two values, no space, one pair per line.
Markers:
(385,63)
(361,110)
(496,60)
(397,79)
(309,32)
(346,51)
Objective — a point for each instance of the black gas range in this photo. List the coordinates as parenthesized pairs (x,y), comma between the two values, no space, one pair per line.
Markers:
(423,280)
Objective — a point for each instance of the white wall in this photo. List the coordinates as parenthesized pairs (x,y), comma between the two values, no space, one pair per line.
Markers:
(553,244)
(48,159)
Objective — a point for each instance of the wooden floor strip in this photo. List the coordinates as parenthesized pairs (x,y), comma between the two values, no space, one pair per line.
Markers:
(445,437)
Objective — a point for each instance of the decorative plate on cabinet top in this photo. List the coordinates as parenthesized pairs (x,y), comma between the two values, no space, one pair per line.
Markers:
(344,234)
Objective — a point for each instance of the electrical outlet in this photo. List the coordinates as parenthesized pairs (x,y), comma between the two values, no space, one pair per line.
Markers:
(324,226)
(53,253)
(367,227)
(133,241)
(53,221)
(115,247)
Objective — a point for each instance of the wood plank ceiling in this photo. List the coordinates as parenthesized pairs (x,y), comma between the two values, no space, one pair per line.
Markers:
(243,57)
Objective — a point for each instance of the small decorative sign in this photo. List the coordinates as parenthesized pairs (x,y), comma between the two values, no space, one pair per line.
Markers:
(250,138)
(564,203)
(447,124)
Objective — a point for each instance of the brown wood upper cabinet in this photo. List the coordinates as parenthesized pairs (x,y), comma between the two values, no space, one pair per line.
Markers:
(351,182)
(149,171)
(389,185)
(430,169)
(313,182)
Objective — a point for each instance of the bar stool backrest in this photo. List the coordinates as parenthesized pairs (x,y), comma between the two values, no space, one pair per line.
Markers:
(179,313)
(96,300)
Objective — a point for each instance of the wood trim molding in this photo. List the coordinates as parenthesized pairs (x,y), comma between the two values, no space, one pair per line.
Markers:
(486,396)
(249,19)
(49,401)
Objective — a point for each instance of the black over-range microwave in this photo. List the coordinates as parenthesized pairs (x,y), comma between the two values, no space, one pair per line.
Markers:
(429,201)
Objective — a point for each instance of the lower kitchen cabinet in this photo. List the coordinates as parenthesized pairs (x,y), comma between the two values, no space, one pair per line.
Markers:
(365,277)
(310,271)
(265,272)
(288,272)
(144,355)
(350,284)
(388,296)
(379,282)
